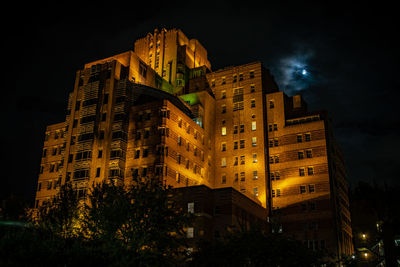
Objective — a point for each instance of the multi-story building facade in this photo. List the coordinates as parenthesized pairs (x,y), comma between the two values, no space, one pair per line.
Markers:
(161,112)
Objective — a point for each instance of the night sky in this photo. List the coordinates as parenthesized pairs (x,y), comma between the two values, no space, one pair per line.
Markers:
(341,57)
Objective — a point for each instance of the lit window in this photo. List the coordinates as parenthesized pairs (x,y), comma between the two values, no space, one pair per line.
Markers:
(255,175)
(223,131)
(223,162)
(255,158)
(190,207)
(253,125)
(254,141)
(255,191)
(190,232)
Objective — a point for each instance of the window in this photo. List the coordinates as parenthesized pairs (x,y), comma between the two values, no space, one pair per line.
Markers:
(105,100)
(253,103)
(300,155)
(271,159)
(148,115)
(179,141)
(242,176)
(251,74)
(223,179)
(242,144)
(310,171)
(190,232)
(241,128)
(277,176)
(98,172)
(307,137)
(223,109)
(223,80)
(213,83)
(252,88)
(311,188)
(302,189)
(275,127)
(255,175)
(70,158)
(190,207)
(241,77)
(271,142)
(236,161)
(223,94)
(75,123)
(235,129)
(278,192)
(223,162)
(276,159)
(273,193)
(49,184)
(101,136)
(146,133)
(253,125)
(235,145)
(276,142)
(39,187)
(180,123)
(299,138)
(137,154)
(255,158)
(234,78)
(271,104)
(223,131)
(255,191)
(145,152)
(238,106)
(309,153)
(270,129)
(301,172)
(254,141)
(242,160)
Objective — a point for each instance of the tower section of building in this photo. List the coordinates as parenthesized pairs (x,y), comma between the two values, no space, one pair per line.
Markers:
(240,137)
(304,191)
(172,55)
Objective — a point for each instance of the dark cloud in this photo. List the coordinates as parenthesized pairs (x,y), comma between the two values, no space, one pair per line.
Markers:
(349,49)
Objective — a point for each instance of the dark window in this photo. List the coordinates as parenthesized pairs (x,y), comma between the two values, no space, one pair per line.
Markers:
(70,158)
(101,135)
(75,123)
(89,102)
(301,172)
(145,153)
(86,136)
(302,189)
(146,133)
(300,155)
(77,105)
(98,172)
(251,74)
(88,119)
(299,138)
(105,99)
(307,137)
(235,129)
(137,154)
(311,188)
(100,154)
(103,116)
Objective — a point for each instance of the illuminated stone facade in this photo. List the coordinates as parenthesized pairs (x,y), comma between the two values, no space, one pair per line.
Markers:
(161,112)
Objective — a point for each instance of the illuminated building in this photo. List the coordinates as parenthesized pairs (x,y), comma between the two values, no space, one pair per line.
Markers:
(161,112)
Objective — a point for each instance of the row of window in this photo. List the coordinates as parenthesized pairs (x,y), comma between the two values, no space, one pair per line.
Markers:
(302,190)
(240,176)
(300,155)
(56,150)
(50,184)
(53,167)
(237,160)
(235,128)
(238,106)
(238,91)
(57,134)
(235,78)
(239,144)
